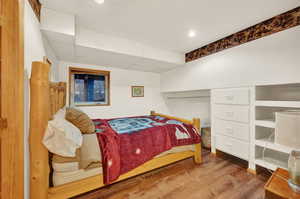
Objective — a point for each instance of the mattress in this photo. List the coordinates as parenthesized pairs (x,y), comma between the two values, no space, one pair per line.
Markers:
(60,178)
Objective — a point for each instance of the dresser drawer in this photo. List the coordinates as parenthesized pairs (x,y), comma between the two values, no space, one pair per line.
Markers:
(233,146)
(232,129)
(238,96)
(232,113)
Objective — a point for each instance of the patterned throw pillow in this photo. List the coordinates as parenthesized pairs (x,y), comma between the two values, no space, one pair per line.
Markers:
(80,120)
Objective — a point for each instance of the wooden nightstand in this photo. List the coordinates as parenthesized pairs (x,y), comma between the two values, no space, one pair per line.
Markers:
(277,188)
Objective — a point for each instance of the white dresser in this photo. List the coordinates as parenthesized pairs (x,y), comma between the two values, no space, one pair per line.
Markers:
(230,112)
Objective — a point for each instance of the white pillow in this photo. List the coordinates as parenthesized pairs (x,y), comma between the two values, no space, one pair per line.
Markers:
(62,137)
(60,114)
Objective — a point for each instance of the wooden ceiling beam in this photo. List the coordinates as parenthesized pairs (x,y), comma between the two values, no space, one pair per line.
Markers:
(36,6)
(273,25)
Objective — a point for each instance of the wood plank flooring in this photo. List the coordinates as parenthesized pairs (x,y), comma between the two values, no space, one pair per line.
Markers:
(216,178)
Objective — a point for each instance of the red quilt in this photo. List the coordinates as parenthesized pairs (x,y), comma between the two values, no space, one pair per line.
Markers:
(127,143)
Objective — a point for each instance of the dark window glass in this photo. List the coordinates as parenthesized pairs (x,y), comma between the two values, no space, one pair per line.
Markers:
(89,89)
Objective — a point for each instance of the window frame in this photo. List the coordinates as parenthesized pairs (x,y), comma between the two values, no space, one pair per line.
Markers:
(75,70)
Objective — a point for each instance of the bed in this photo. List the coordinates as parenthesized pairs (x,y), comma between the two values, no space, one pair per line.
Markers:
(46,99)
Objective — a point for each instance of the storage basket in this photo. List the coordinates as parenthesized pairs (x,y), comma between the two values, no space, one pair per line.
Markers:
(206,137)
(287,128)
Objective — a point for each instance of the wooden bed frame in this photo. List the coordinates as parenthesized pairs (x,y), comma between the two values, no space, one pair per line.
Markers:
(46,99)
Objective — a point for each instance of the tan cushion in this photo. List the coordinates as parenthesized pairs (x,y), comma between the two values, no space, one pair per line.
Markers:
(61,159)
(80,120)
(65,167)
(90,151)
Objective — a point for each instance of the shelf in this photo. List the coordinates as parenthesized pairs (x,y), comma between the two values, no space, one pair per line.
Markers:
(271,145)
(265,123)
(284,104)
(271,163)
(269,100)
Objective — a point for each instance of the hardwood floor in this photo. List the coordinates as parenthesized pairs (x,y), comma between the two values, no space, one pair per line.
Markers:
(217,178)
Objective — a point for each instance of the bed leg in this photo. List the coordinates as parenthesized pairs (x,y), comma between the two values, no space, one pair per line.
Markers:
(198,154)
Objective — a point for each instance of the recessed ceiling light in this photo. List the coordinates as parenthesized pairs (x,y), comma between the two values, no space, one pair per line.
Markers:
(99,1)
(192,33)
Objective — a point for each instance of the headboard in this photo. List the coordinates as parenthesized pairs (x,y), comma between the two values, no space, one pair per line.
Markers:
(46,98)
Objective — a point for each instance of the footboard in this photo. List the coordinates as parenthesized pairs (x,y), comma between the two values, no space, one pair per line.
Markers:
(196,123)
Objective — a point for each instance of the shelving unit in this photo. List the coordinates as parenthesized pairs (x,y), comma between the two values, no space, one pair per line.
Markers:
(270,99)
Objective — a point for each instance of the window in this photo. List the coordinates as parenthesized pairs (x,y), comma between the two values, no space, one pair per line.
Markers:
(89,87)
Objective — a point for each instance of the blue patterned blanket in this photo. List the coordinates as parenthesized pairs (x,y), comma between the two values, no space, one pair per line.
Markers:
(129,125)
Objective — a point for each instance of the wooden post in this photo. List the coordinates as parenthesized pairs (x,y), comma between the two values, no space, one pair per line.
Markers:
(196,123)
(12,99)
(39,116)
(198,154)
(61,94)
(52,98)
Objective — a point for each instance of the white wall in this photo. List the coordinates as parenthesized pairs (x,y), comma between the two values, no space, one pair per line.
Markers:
(52,58)
(33,45)
(122,104)
(269,60)
(55,21)
(92,39)
(191,108)
(190,104)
